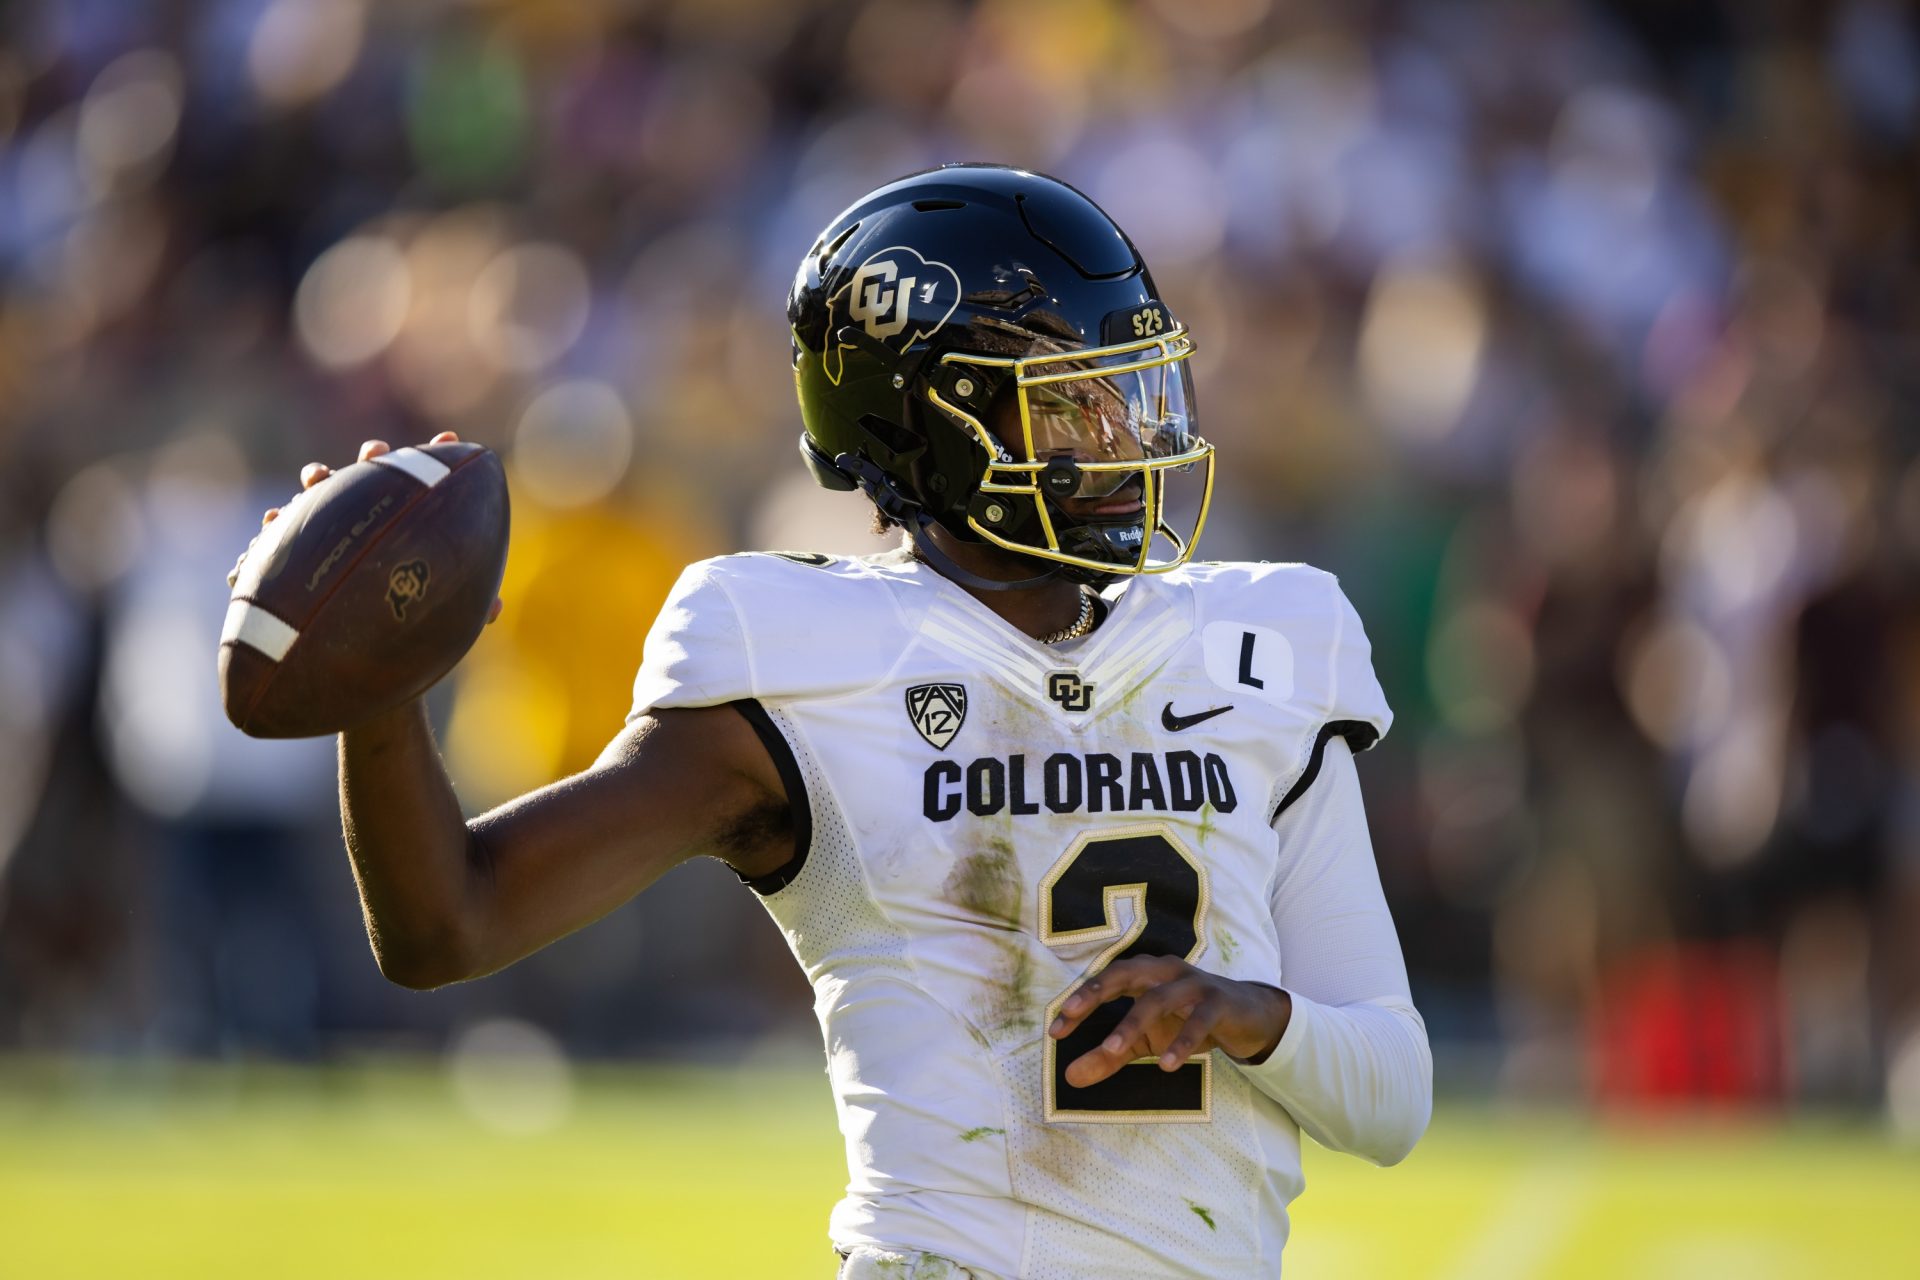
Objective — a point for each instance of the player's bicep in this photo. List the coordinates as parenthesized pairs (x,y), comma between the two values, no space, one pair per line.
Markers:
(671,786)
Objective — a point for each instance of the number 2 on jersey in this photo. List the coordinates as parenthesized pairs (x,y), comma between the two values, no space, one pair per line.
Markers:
(1079,902)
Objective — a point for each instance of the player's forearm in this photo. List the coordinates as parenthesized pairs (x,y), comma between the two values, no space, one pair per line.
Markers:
(1357,1077)
(1353,1067)
(412,854)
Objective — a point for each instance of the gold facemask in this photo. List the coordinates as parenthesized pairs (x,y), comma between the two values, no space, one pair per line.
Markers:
(1117,412)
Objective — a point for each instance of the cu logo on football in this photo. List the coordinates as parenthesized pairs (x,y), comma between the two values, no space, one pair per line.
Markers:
(894,292)
(1065,688)
(406,584)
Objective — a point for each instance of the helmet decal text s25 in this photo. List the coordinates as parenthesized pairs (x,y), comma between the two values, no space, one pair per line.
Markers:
(894,292)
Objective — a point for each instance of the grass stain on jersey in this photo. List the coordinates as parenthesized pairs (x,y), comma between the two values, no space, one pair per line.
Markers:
(984,1131)
(1060,1154)
(1009,1004)
(1229,945)
(986,884)
(1076,1156)
(1207,824)
(1205,1214)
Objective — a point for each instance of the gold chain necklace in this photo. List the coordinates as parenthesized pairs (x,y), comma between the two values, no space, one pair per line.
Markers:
(1081,625)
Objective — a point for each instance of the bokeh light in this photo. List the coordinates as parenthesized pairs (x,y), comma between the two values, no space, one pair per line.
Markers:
(1420,347)
(302,49)
(529,305)
(511,1077)
(129,119)
(353,301)
(573,444)
(94,528)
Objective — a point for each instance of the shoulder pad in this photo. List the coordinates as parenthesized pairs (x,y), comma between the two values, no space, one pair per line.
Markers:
(1315,651)
(769,626)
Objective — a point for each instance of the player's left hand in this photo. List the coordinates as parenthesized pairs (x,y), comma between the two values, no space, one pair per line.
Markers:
(1178,1011)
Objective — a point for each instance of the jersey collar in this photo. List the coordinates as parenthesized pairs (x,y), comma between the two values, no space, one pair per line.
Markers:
(1147,618)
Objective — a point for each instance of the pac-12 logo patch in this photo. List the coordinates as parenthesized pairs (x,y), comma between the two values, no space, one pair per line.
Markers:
(407,583)
(897,296)
(937,711)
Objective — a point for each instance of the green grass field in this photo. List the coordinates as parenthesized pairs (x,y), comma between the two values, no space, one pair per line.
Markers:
(663,1174)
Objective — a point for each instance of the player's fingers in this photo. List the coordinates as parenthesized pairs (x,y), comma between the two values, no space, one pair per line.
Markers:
(494,613)
(1169,1000)
(313,473)
(446,437)
(1149,1022)
(1193,1035)
(1109,984)
(1122,1045)
(233,574)
(1161,1034)
(267,517)
(373,449)
(1096,1065)
(1124,978)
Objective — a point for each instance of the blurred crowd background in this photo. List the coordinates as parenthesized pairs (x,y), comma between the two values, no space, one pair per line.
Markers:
(1579,338)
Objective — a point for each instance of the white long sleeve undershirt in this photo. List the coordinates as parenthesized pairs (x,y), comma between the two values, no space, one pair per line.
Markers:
(1353,1068)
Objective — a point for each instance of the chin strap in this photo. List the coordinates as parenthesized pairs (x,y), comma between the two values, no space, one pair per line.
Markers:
(911,516)
(944,565)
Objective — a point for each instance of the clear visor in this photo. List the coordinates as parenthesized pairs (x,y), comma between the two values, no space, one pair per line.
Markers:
(1129,416)
(1102,411)
(1122,415)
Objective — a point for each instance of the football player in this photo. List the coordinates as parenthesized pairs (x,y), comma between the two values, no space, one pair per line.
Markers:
(1063,826)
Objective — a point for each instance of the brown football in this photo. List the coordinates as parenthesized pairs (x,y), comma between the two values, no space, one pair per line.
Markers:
(364,591)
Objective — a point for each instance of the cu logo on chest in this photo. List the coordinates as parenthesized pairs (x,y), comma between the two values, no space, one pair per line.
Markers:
(1067,689)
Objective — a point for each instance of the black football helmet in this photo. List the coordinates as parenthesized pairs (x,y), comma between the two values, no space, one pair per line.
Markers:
(982,348)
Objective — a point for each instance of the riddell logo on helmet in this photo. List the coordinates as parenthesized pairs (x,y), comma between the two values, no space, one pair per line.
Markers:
(893,292)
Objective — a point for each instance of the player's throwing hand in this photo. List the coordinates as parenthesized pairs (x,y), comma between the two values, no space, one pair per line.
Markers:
(1178,1011)
(314,472)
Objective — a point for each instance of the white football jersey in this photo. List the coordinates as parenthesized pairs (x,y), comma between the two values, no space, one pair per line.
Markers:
(983,821)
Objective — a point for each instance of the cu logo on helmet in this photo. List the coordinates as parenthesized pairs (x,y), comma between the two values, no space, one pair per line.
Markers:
(881,297)
(892,293)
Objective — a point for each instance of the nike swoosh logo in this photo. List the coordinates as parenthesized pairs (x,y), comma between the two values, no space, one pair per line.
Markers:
(1174,724)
